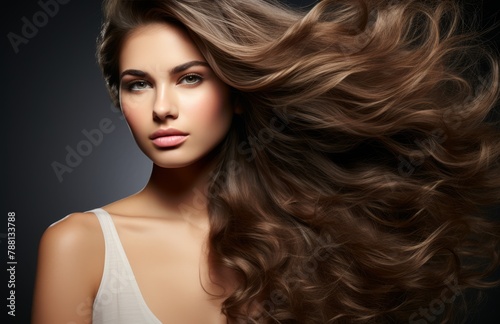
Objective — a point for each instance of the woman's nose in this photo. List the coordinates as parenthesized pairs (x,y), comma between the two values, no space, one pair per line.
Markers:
(165,105)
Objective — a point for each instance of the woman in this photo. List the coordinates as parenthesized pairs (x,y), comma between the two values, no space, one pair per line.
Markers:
(308,167)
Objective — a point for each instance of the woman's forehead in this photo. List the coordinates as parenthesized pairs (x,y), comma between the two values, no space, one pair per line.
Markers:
(158,45)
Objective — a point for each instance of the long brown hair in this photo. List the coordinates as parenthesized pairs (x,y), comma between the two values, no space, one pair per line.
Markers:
(352,188)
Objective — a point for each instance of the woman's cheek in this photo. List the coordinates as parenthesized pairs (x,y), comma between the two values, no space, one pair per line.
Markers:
(135,122)
(214,107)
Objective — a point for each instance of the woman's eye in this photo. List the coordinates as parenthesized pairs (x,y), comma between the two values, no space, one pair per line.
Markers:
(138,85)
(190,79)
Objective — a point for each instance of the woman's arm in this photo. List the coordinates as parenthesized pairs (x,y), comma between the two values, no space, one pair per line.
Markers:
(70,265)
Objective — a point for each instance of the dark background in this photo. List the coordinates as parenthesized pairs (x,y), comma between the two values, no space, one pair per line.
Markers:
(53,93)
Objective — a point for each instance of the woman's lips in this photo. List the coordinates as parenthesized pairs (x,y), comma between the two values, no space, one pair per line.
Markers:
(168,137)
(170,140)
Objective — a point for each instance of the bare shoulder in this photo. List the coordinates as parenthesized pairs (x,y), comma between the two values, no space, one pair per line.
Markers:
(76,231)
(74,242)
(69,270)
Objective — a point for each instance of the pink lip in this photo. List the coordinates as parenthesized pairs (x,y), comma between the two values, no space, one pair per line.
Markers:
(168,137)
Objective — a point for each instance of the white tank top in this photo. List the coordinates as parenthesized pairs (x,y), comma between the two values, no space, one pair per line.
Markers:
(119,299)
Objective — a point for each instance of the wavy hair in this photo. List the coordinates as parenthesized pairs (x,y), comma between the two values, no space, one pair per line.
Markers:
(353,187)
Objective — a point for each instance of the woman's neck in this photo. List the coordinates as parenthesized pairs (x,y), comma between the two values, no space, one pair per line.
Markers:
(180,192)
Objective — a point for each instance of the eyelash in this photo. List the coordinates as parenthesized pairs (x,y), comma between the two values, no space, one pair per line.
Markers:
(132,84)
(200,78)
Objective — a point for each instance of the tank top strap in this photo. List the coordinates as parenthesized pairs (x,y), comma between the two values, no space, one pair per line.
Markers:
(118,299)
(112,241)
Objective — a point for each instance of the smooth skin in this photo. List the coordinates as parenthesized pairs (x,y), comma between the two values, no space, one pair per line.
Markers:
(165,242)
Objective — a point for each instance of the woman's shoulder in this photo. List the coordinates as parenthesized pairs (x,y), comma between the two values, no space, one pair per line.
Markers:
(69,268)
(75,227)
(80,227)
(76,234)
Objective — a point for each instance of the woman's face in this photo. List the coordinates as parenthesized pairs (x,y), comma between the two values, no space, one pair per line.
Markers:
(176,107)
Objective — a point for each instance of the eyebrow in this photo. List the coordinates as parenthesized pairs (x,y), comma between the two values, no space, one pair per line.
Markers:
(174,70)
(187,65)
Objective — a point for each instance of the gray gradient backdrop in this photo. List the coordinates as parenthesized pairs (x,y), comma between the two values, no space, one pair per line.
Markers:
(54,95)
